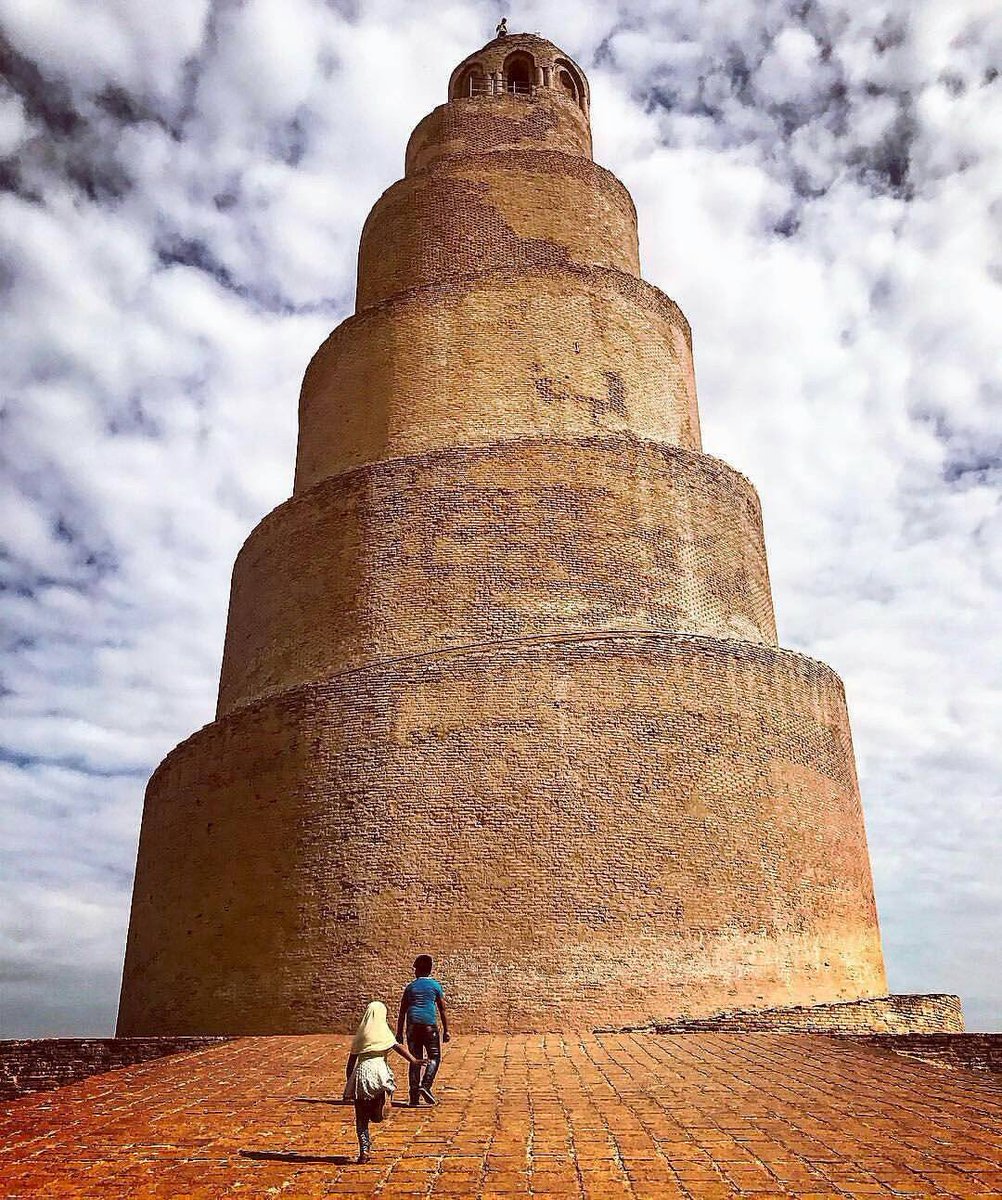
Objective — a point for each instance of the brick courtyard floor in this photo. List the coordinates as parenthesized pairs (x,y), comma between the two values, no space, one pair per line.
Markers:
(560,1115)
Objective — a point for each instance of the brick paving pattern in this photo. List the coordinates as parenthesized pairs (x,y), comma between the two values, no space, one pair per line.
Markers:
(693,1116)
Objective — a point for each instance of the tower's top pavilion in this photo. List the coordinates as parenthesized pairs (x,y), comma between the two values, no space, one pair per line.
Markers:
(520,64)
(518,92)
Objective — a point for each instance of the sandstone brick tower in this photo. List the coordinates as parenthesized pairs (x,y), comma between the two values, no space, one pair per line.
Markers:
(501,679)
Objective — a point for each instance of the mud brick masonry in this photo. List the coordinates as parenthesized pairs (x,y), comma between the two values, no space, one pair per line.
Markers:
(501,679)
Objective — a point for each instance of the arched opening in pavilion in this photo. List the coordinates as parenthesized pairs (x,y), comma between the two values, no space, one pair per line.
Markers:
(569,81)
(519,73)
(472,82)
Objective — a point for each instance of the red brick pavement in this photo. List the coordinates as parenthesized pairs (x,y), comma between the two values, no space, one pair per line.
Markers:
(557,1115)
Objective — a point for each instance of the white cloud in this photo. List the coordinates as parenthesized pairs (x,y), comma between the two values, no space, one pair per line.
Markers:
(790,70)
(820,192)
(15,127)
(93,43)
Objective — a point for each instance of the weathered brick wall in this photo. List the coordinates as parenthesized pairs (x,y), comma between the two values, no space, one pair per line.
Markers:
(513,540)
(896,1014)
(498,123)
(485,212)
(581,831)
(42,1064)
(971,1051)
(572,352)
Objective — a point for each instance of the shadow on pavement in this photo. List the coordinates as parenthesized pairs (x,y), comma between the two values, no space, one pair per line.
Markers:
(292,1156)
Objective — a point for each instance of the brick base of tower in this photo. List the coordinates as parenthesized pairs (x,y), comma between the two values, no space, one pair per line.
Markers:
(581,831)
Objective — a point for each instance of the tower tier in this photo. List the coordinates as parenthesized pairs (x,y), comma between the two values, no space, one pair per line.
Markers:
(514,540)
(565,352)
(585,830)
(475,213)
(480,124)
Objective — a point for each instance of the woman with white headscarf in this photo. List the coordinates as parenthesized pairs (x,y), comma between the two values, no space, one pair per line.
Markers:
(370,1083)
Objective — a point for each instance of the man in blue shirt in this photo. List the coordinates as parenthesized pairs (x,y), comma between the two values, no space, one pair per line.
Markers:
(420,1006)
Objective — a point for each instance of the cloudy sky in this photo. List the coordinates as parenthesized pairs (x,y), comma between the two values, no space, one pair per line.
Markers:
(181,191)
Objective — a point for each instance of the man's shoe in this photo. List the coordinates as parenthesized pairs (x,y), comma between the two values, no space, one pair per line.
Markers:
(426,1096)
(363,1157)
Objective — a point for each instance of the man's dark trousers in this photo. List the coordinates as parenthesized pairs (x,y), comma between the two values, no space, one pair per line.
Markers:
(423,1042)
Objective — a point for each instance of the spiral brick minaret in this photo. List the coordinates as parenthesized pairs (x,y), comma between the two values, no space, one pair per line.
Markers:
(501,679)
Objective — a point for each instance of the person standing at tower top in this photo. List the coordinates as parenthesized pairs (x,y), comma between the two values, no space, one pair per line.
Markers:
(420,1005)
(502,28)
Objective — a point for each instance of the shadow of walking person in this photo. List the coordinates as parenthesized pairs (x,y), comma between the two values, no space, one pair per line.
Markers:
(294,1157)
